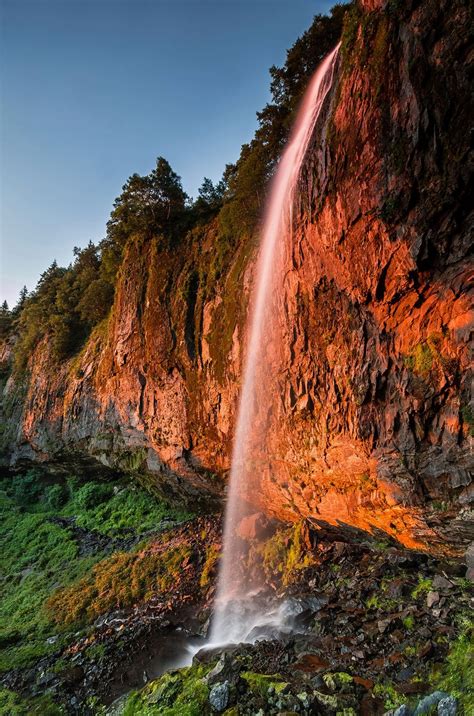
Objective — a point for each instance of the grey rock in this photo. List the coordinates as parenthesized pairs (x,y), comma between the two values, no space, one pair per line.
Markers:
(219,696)
(440,582)
(213,675)
(402,710)
(469,558)
(426,704)
(432,599)
(448,706)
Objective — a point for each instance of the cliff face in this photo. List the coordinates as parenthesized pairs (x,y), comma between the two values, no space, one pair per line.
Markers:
(374,420)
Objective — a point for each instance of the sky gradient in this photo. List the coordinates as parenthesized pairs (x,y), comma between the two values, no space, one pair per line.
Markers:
(93,91)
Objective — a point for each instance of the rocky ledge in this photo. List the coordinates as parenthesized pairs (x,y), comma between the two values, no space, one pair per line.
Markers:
(376,630)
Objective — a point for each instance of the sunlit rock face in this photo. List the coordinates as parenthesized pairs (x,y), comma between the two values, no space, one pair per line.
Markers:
(373,421)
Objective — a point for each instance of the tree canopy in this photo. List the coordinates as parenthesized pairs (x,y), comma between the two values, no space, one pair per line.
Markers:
(148,204)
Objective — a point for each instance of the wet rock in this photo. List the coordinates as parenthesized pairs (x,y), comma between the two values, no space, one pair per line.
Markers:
(227,669)
(426,705)
(402,710)
(448,706)
(256,526)
(219,696)
(206,655)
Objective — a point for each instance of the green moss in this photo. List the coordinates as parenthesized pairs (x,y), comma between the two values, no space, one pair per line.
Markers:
(420,360)
(228,313)
(386,691)
(422,588)
(350,31)
(134,460)
(179,693)
(377,602)
(409,622)
(95,652)
(373,602)
(260,683)
(11,704)
(35,555)
(117,582)
(282,555)
(212,556)
(426,356)
(456,676)
(337,680)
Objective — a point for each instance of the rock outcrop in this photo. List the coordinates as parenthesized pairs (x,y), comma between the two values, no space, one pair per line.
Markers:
(375,418)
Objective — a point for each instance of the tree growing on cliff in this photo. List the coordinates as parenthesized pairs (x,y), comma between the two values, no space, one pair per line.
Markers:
(148,204)
(65,305)
(5,319)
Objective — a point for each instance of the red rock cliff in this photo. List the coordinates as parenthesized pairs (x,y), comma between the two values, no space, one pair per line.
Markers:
(374,422)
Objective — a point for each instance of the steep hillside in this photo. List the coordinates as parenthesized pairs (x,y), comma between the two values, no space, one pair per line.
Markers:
(375,419)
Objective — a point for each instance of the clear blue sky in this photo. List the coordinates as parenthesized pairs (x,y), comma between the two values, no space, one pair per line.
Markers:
(94,90)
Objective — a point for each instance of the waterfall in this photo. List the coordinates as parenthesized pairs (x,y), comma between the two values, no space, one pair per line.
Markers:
(232,619)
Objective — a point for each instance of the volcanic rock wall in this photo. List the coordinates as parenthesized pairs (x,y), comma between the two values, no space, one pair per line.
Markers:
(375,417)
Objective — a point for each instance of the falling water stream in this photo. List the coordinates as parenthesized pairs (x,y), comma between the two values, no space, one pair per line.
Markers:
(236,613)
(239,615)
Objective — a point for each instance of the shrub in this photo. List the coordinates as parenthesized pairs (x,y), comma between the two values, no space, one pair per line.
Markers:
(26,488)
(56,496)
(93,494)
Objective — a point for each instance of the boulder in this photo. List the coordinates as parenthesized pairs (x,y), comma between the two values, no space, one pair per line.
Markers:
(219,696)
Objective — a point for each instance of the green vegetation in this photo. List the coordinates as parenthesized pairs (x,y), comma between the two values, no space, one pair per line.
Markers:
(382,603)
(212,557)
(283,555)
(260,683)
(129,509)
(13,705)
(427,356)
(456,676)
(336,680)
(182,692)
(38,555)
(119,581)
(422,588)
(248,178)
(420,360)
(35,555)
(65,306)
(386,691)
(150,205)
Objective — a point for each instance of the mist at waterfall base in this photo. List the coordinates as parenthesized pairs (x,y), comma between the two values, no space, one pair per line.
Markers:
(238,616)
